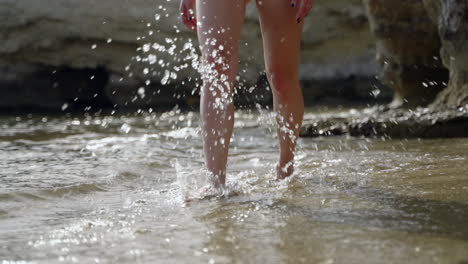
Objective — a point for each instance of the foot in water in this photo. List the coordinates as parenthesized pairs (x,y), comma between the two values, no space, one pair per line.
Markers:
(284,171)
(200,185)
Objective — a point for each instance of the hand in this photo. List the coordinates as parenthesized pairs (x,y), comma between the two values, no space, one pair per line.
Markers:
(187,11)
(303,10)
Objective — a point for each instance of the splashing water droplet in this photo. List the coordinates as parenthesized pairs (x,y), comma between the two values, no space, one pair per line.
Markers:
(165,79)
(125,128)
(141,91)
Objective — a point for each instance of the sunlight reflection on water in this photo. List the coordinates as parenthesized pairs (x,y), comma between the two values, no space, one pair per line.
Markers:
(75,190)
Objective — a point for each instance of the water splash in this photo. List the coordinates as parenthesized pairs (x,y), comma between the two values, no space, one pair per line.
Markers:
(196,184)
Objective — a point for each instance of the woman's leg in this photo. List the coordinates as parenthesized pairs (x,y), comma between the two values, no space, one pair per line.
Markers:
(281,43)
(219,28)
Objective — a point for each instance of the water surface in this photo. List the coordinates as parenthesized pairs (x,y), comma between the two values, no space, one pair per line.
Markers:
(111,188)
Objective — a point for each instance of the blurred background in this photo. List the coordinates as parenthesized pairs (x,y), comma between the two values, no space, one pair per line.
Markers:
(130,54)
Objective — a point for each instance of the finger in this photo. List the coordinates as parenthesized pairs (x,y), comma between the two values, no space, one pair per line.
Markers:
(190,22)
(193,24)
(310,3)
(184,15)
(302,11)
(188,18)
(293,3)
(191,13)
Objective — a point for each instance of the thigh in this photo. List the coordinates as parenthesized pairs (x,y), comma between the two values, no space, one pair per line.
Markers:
(219,27)
(281,35)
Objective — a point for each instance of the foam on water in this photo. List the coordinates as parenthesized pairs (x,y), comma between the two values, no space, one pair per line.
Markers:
(198,183)
(184,133)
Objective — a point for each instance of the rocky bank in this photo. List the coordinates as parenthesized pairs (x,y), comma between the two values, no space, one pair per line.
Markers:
(422,46)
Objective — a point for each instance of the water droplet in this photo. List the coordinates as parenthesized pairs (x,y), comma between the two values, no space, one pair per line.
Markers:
(125,128)
(141,91)
(165,79)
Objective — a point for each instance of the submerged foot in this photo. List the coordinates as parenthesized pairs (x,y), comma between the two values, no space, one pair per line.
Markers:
(205,192)
(284,171)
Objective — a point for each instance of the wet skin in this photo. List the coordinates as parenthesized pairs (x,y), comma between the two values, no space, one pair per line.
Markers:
(219,26)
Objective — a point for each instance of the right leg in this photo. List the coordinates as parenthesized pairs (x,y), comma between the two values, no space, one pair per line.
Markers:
(219,28)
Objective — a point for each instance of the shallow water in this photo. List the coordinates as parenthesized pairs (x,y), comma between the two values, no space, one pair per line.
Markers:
(105,189)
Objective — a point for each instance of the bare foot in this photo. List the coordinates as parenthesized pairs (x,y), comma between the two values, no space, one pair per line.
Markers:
(216,181)
(284,171)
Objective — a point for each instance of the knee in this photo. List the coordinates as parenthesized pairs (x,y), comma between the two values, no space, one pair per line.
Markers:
(282,80)
(217,59)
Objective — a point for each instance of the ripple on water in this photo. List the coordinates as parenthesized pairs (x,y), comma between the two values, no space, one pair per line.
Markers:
(110,196)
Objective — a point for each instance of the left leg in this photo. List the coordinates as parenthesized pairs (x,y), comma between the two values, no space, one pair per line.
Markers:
(281,43)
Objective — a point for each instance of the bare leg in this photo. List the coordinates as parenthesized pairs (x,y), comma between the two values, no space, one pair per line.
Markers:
(281,42)
(220,25)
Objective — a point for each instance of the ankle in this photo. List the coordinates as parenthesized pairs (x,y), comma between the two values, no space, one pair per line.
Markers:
(284,170)
(217,180)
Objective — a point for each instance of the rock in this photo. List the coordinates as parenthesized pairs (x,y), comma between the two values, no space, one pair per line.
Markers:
(142,40)
(415,40)
(26,86)
(451,16)
(408,49)
(389,123)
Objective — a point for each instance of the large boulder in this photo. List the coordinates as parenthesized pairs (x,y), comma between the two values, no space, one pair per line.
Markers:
(408,47)
(137,53)
(415,40)
(451,18)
